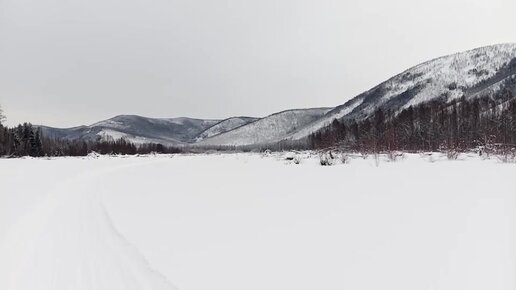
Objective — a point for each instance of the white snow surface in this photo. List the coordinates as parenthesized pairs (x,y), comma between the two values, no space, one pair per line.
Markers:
(456,69)
(113,135)
(67,241)
(110,135)
(245,221)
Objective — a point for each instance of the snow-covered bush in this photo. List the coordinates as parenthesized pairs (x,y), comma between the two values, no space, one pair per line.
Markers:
(93,154)
(326,159)
(293,158)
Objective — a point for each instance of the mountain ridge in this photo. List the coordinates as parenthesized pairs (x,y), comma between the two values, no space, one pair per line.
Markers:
(270,129)
(479,71)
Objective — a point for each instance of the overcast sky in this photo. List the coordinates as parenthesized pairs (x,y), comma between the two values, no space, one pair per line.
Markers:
(72,62)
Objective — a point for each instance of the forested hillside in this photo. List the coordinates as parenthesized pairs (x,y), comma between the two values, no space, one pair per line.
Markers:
(486,122)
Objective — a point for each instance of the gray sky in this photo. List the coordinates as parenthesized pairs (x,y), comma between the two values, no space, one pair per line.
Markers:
(72,62)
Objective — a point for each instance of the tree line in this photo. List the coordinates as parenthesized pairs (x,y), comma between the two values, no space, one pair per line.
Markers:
(438,125)
(27,140)
(23,140)
(487,122)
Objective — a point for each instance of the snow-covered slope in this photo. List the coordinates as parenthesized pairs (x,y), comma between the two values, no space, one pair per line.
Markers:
(478,71)
(136,129)
(224,126)
(270,129)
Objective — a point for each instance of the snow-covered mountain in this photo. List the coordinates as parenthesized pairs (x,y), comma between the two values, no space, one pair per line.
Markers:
(472,73)
(179,131)
(136,129)
(270,129)
(224,126)
(478,72)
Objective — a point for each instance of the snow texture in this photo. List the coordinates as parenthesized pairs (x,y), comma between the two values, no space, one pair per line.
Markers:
(68,241)
(244,221)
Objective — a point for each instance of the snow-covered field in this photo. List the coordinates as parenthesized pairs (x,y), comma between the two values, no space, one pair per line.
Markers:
(248,222)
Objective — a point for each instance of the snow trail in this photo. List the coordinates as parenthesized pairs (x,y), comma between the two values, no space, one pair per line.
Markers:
(69,242)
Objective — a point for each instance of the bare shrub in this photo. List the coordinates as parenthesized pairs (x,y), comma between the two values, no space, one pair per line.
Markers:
(344,158)
(452,154)
(393,156)
(507,156)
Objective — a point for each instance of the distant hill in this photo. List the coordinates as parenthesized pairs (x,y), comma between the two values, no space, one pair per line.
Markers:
(270,129)
(137,129)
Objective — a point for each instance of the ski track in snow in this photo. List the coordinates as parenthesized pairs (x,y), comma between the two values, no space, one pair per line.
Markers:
(68,241)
